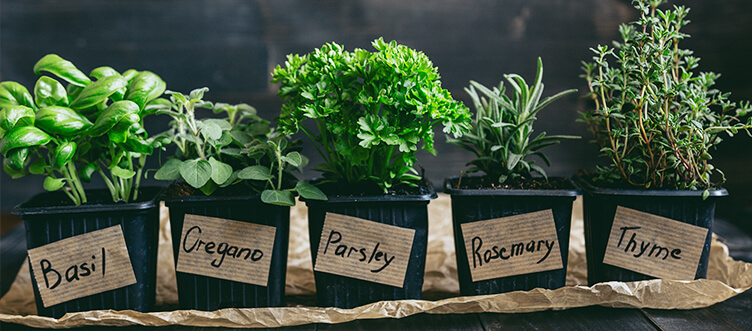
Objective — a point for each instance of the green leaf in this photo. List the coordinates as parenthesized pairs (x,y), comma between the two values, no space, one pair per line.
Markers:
(211,131)
(122,173)
(22,137)
(13,116)
(279,198)
(209,187)
(53,184)
(256,172)
(95,93)
(169,171)
(145,87)
(220,171)
(294,159)
(309,191)
(112,115)
(61,120)
(101,72)
(15,94)
(17,158)
(63,154)
(62,68)
(49,92)
(196,172)
(87,171)
(38,167)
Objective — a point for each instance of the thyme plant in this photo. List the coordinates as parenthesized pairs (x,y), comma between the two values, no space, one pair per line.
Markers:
(372,110)
(502,132)
(656,119)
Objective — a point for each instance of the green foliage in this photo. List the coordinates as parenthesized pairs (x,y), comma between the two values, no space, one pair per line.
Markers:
(372,111)
(502,129)
(655,118)
(238,148)
(68,133)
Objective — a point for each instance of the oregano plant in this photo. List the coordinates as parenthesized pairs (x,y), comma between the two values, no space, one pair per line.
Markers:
(93,124)
(656,119)
(372,111)
(502,131)
(238,148)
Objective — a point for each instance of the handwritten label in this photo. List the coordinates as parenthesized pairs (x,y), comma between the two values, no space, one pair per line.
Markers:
(226,249)
(363,249)
(513,245)
(654,245)
(82,265)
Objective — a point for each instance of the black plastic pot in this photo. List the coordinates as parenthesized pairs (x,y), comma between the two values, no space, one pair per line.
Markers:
(46,223)
(471,205)
(406,211)
(599,210)
(209,293)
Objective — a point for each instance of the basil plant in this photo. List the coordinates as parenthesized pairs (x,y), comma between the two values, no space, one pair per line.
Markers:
(92,124)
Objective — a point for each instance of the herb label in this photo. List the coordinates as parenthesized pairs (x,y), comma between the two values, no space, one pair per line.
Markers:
(82,265)
(654,245)
(514,245)
(226,249)
(363,249)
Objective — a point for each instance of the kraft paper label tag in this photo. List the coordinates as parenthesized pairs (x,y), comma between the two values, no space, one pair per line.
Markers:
(226,249)
(514,245)
(363,249)
(82,265)
(654,245)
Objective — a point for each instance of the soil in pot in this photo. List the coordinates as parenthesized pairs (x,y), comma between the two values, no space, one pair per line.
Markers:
(50,217)
(600,207)
(479,200)
(405,211)
(236,203)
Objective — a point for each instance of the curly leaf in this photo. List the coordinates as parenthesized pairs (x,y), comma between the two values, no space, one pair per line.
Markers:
(95,93)
(196,172)
(169,171)
(145,87)
(279,198)
(14,94)
(112,115)
(256,172)
(53,184)
(62,68)
(12,172)
(49,92)
(309,191)
(88,170)
(13,116)
(61,120)
(63,154)
(21,137)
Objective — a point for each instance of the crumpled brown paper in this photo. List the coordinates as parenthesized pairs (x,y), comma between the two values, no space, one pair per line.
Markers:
(726,278)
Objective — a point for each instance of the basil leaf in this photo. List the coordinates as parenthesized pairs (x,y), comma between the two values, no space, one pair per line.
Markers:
(14,94)
(61,120)
(98,91)
(49,92)
(62,68)
(21,137)
(145,87)
(112,115)
(13,116)
(63,154)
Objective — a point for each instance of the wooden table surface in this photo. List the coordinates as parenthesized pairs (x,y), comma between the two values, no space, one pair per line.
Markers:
(732,314)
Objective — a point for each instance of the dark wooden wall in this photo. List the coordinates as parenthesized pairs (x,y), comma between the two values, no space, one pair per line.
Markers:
(232,45)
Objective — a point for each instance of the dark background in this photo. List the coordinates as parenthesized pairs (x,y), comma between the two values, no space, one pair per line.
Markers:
(231,46)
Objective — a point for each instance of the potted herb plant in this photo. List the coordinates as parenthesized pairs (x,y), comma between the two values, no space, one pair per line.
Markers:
(656,121)
(372,112)
(502,140)
(68,133)
(231,168)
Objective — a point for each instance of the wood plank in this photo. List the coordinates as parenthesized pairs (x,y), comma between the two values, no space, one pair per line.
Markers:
(732,314)
(587,318)
(415,322)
